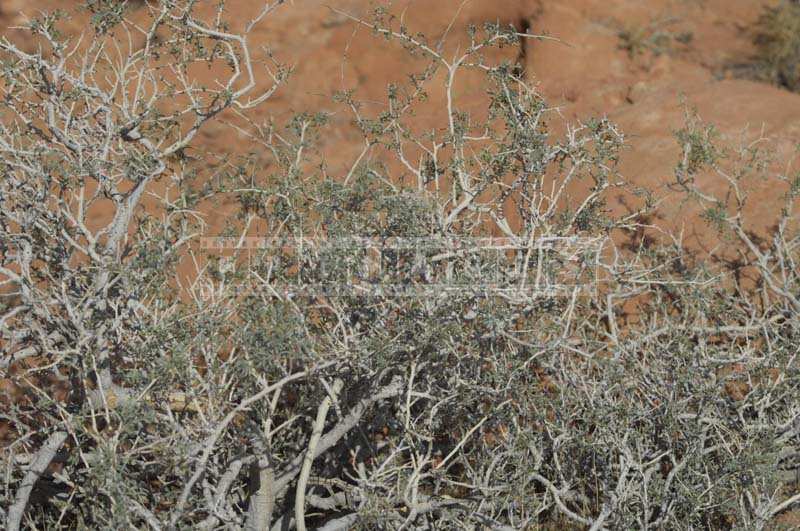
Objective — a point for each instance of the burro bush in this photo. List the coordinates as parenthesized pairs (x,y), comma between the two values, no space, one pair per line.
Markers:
(777,40)
(135,398)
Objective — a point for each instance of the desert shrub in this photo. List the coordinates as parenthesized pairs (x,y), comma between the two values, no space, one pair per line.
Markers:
(654,37)
(238,400)
(777,40)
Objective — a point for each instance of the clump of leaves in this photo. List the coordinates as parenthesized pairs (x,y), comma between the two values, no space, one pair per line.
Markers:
(697,141)
(777,40)
(106,14)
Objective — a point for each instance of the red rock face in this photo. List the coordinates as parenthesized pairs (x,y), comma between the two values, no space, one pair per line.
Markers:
(670,49)
(642,88)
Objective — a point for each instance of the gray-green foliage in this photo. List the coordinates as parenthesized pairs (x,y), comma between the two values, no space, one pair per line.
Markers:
(221,403)
(777,40)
